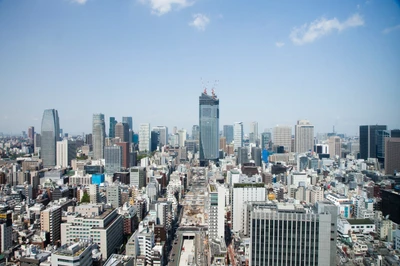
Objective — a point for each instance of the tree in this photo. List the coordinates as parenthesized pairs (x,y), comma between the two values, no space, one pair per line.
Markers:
(85,198)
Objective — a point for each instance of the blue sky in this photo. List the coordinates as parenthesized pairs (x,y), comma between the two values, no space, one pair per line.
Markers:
(331,62)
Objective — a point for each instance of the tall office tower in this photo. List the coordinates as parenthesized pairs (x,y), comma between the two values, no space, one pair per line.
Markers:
(253,136)
(209,127)
(163,134)
(392,155)
(381,135)
(114,195)
(195,132)
(287,234)
(256,155)
(98,136)
(31,133)
(128,120)
(238,135)
(368,140)
(266,139)
(49,136)
(282,136)
(242,193)
(228,133)
(89,139)
(113,159)
(155,140)
(111,130)
(304,136)
(137,177)
(335,146)
(37,143)
(122,131)
(182,137)
(216,217)
(125,153)
(242,155)
(175,130)
(395,133)
(6,231)
(50,221)
(66,151)
(144,137)
(222,143)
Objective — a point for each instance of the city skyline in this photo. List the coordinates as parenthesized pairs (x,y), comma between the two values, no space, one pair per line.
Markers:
(334,65)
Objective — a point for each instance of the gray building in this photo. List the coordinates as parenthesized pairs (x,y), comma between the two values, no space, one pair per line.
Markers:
(114,196)
(228,133)
(137,177)
(266,140)
(50,134)
(162,134)
(209,127)
(128,120)
(256,155)
(98,136)
(368,140)
(113,159)
(195,132)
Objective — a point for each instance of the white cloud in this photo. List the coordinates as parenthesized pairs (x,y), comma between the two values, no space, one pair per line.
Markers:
(200,21)
(279,44)
(81,2)
(161,7)
(388,30)
(320,27)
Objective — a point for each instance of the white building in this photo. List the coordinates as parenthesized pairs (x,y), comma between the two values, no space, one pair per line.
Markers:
(253,136)
(238,135)
(358,226)
(335,147)
(282,136)
(137,177)
(144,137)
(182,137)
(66,151)
(304,136)
(216,216)
(76,254)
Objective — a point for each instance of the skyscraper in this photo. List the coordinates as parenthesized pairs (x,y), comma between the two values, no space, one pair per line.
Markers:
(98,136)
(335,146)
(49,136)
(113,159)
(66,151)
(368,140)
(392,155)
(304,136)
(122,131)
(265,140)
(182,137)
(381,135)
(195,132)
(31,133)
(111,130)
(282,136)
(144,137)
(253,136)
(209,127)
(163,134)
(238,134)
(228,133)
(129,121)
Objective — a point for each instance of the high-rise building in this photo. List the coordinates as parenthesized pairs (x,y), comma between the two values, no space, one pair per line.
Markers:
(122,132)
(216,217)
(286,234)
(368,140)
(31,133)
(256,155)
(228,133)
(335,146)
(155,140)
(98,136)
(37,143)
(392,155)
(114,195)
(242,155)
(195,132)
(238,135)
(182,137)
(66,151)
(144,137)
(6,231)
(381,135)
(89,139)
(125,154)
(222,143)
(209,127)
(395,133)
(49,136)
(282,136)
(304,136)
(266,139)
(137,177)
(253,134)
(50,220)
(163,134)
(113,159)
(111,130)
(128,120)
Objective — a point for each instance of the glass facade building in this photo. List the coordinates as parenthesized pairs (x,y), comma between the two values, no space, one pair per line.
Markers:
(98,136)
(111,131)
(50,133)
(209,127)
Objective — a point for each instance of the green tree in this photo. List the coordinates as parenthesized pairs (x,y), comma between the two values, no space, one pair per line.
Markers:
(85,198)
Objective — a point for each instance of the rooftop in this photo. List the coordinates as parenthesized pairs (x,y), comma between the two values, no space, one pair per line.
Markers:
(360,221)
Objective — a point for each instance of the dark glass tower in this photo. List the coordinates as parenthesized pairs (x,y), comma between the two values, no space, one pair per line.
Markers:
(128,120)
(49,136)
(368,145)
(228,133)
(209,127)
(111,131)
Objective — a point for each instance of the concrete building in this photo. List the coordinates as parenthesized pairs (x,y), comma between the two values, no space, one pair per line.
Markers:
(266,139)
(282,136)
(182,137)
(238,135)
(66,151)
(216,217)
(162,134)
(392,155)
(253,134)
(6,231)
(304,136)
(137,177)
(125,153)
(335,147)
(228,133)
(79,253)
(122,132)
(114,195)
(98,136)
(50,220)
(144,137)
(113,159)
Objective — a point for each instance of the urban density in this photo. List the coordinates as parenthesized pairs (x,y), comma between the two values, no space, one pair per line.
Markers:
(201,197)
